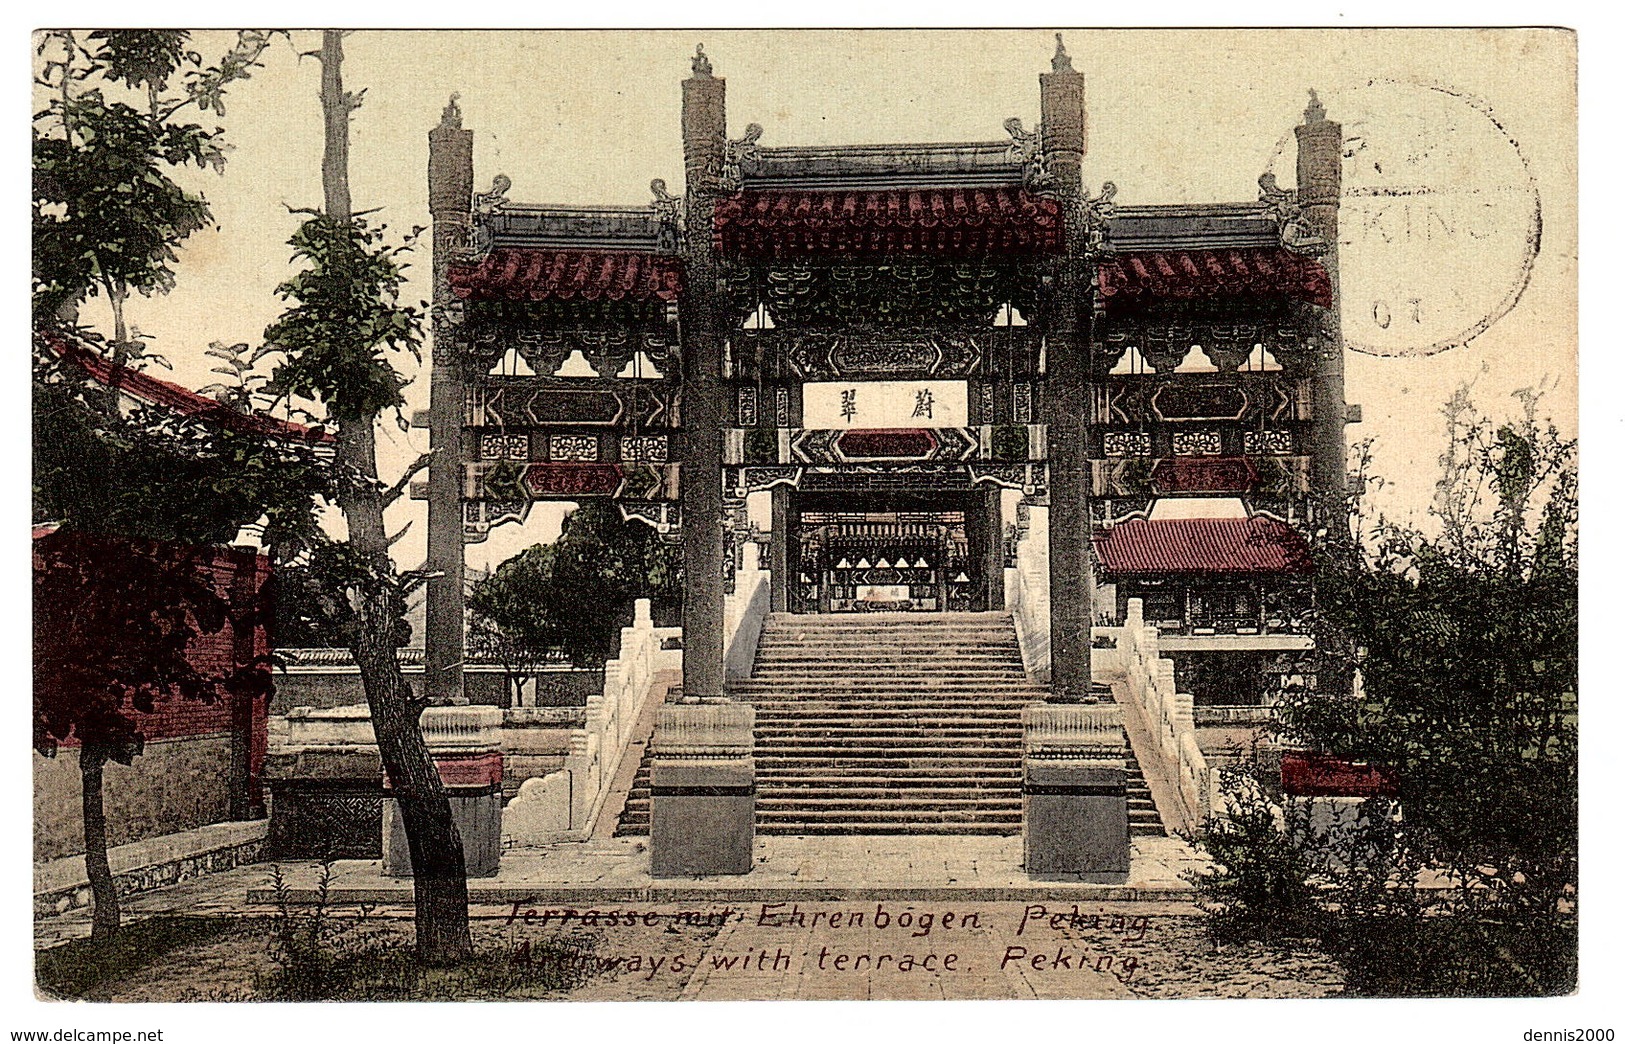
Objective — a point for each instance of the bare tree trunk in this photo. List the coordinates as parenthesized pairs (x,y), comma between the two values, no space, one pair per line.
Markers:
(104,897)
(440,880)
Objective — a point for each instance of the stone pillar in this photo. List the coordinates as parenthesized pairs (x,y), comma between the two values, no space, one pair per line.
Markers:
(783,558)
(1074,806)
(451,186)
(466,745)
(1320,180)
(705,139)
(1066,391)
(702,790)
(992,544)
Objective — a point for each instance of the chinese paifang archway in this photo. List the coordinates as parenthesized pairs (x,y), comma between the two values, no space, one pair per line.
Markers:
(896,373)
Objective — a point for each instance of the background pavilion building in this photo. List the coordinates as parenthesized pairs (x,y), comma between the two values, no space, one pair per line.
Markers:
(926,379)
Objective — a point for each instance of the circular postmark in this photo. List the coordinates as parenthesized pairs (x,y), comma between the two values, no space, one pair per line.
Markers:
(1439,218)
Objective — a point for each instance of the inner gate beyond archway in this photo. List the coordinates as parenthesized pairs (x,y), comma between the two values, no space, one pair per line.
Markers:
(896,552)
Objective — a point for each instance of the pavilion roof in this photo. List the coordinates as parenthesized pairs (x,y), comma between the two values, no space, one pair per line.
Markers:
(1133,279)
(1256,546)
(898,221)
(547,274)
(155,391)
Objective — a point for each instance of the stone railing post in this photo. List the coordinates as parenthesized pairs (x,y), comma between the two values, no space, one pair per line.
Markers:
(703,790)
(1074,793)
(466,745)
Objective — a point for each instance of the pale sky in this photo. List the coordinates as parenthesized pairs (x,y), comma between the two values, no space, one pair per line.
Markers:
(1173,116)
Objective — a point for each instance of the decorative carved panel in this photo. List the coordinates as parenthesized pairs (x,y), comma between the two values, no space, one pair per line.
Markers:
(1270,440)
(1204,475)
(504,446)
(643,449)
(1202,442)
(581,449)
(520,402)
(1022,403)
(880,294)
(544,342)
(1127,443)
(1264,398)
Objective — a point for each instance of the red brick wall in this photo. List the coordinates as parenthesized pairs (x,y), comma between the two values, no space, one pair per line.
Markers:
(239,576)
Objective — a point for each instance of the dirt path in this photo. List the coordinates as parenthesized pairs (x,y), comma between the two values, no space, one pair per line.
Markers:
(820,950)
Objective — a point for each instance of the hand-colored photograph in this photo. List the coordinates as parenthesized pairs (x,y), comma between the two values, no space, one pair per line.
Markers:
(804,515)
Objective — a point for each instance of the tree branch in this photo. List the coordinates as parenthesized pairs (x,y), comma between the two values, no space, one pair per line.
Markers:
(393,493)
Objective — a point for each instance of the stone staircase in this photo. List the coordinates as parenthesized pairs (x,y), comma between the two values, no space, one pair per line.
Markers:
(888,723)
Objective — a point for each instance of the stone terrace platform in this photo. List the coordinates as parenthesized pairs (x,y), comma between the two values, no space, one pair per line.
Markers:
(809,869)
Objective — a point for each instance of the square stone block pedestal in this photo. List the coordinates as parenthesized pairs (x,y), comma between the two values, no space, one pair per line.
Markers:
(479,823)
(702,817)
(1075,821)
(466,745)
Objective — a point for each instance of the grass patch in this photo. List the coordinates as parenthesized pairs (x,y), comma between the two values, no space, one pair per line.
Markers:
(74,969)
(539,970)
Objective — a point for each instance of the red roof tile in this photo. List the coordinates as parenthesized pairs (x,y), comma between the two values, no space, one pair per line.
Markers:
(184,401)
(534,274)
(798,223)
(1235,546)
(1131,279)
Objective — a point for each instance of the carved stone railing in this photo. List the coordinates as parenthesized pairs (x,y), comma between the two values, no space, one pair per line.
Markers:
(565,805)
(1026,595)
(1168,714)
(347,726)
(462,728)
(1236,715)
(743,612)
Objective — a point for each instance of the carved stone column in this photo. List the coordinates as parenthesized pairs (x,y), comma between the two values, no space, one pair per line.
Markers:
(1320,180)
(784,559)
(1066,394)
(702,790)
(451,187)
(705,140)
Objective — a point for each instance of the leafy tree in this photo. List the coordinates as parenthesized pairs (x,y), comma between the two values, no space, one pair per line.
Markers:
(509,618)
(107,213)
(345,323)
(572,597)
(112,625)
(118,592)
(1449,658)
(116,600)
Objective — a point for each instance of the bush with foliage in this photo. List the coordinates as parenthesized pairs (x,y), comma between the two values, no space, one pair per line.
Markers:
(1448,657)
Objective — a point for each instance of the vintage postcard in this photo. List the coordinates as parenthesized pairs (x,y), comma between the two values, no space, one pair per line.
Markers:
(804,515)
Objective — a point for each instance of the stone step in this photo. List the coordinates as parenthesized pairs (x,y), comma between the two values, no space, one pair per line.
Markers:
(881,645)
(896,723)
(943,760)
(883,694)
(871,734)
(862,747)
(810,711)
(859,703)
